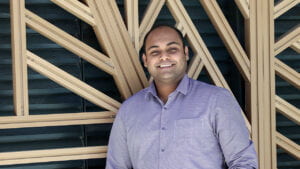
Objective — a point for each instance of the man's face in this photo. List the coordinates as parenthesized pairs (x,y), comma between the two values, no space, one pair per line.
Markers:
(165,57)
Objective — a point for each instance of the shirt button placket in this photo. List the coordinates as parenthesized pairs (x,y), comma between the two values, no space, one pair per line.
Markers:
(163,130)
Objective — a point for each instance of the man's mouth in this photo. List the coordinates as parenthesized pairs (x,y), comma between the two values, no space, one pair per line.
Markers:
(166,65)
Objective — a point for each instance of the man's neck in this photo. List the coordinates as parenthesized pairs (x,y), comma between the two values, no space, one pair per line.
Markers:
(164,90)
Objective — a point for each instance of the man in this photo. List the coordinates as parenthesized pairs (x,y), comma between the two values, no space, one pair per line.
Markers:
(178,122)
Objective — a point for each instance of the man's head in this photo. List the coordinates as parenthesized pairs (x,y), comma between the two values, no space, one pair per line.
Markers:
(165,55)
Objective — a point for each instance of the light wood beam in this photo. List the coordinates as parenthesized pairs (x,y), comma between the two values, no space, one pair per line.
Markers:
(61,154)
(283,6)
(287,40)
(19,66)
(132,19)
(287,73)
(262,87)
(69,42)
(229,38)
(78,9)
(195,67)
(243,6)
(288,145)
(287,109)
(72,83)
(149,18)
(113,36)
(181,16)
(296,46)
(66,119)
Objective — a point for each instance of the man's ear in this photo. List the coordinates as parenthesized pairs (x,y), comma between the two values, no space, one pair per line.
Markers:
(144,59)
(186,52)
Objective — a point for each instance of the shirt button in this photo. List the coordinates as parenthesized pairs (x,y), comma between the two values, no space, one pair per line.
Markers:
(165,108)
(162,150)
(163,128)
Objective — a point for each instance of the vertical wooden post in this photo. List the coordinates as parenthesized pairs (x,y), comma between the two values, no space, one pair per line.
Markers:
(132,19)
(262,87)
(18,45)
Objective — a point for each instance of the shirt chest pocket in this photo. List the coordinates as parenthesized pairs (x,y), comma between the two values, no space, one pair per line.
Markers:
(192,134)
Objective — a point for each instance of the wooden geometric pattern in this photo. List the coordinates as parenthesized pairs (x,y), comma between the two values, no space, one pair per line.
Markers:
(121,44)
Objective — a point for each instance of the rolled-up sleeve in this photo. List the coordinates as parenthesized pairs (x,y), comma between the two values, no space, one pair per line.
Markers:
(233,135)
(118,155)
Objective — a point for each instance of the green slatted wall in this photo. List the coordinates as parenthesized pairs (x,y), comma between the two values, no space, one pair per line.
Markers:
(48,97)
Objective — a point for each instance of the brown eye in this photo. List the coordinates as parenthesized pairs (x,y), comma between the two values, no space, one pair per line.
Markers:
(154,53)
(172,50)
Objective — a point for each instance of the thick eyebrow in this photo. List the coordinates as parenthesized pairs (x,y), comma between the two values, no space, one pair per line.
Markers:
(170,43)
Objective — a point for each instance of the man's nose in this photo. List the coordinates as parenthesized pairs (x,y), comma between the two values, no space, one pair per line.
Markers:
(164,56)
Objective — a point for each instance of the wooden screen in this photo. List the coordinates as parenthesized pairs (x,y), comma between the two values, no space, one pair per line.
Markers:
(121,42)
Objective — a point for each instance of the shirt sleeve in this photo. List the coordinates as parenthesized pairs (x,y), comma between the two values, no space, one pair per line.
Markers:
(118,155)
(233,135)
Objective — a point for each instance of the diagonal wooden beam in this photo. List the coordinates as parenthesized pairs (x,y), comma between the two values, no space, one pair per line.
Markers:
(296,46)
(227,35)
(180,14)
(283,6)
(18,45)
(287,40)
(61,154)
(287,109)
(132,20)
(149,18)
(288,145)
(243,6)
(69,42)
(72,83)
(195,67)
(78,9)
(47,120)
(287,73)
(113,36)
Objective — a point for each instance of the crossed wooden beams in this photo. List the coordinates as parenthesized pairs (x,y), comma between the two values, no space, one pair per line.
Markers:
(290,39)
(121,44)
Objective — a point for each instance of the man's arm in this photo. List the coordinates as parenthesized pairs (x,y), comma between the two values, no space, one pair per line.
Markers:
(118,155)
(232,133)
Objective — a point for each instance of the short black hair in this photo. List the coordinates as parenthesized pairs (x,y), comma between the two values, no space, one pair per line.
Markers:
(158,26)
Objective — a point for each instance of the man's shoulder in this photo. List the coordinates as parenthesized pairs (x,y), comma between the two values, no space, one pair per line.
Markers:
(203,87)
(135,99)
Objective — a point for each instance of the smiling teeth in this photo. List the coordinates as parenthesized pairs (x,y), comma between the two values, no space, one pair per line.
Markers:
(165,65)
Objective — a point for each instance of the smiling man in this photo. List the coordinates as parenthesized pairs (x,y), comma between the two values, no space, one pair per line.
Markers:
(178,122)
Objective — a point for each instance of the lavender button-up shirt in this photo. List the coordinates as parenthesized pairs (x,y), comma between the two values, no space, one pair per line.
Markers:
(200,127)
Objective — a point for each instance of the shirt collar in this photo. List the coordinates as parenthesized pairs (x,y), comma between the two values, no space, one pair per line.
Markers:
(182,87)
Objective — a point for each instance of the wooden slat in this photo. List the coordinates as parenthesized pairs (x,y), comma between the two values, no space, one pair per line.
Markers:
(229,38)
(181,16)
(243,6)
(78,9)
(149,18)
(195,67)
(288,110)
(18,45)
(62,154)
(283,6)
(296,46)
(288,145)
(47,120)
(72,83)
(287,73)
(262,88)
(287,40)
(132,19)
(112,34)
(69,42)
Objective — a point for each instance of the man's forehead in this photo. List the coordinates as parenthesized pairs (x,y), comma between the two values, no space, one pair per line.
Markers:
(163,35)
